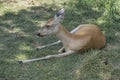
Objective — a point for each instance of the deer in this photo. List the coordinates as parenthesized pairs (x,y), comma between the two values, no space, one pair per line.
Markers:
(82,38)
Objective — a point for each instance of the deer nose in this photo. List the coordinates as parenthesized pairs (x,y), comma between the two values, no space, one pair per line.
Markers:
(38,34)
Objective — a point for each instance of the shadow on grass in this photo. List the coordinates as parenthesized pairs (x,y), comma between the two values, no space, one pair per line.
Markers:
(18,41)
(18,33)
(18,38)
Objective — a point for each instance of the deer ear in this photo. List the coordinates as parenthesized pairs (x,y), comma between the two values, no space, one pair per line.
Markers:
(59,15)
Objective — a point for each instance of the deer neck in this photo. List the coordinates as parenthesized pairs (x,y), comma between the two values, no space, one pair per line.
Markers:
(64,35)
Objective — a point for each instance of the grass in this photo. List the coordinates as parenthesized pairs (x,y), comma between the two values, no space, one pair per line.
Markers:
(20,21)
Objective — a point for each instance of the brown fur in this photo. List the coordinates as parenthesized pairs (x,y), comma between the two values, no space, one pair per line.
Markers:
(88,36)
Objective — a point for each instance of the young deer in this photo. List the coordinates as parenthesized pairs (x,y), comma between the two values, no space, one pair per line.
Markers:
(84,37)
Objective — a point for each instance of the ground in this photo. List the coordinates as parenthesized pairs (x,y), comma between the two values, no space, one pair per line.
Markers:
(20,20)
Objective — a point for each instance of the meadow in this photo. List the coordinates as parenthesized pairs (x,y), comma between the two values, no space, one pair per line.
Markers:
(20,20)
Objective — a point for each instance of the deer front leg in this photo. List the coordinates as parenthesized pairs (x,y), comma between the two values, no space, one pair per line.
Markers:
(49,57)
(40,47)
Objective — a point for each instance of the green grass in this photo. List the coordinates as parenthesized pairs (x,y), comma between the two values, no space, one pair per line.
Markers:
(20,21)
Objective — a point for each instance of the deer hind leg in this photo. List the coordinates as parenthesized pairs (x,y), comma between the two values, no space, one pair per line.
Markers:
(57,42)
(69,52)
(76,29)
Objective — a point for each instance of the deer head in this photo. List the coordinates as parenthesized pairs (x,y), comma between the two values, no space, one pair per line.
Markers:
(52,25)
